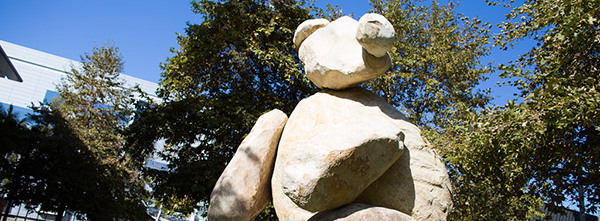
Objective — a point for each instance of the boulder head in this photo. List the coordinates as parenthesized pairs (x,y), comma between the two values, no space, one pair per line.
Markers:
(345,52)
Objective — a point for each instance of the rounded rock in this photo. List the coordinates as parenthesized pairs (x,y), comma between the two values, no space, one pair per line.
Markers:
(243,190)
(375,34)
(306,28)
(359,212)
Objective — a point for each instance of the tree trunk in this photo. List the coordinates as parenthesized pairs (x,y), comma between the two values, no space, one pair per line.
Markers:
(581,204)
(159,212)
(7,209)
(61,212)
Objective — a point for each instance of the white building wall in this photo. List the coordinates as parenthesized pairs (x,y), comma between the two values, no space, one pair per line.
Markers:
(41,72)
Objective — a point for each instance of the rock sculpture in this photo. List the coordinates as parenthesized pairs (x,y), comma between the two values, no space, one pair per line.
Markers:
(344,153)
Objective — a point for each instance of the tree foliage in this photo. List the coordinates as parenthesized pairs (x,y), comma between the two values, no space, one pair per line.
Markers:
(97,106)
(490,174)
(436,61)
(96,103)
(72,155)
(238,63)
(518,158)
(562,90)
(13,136)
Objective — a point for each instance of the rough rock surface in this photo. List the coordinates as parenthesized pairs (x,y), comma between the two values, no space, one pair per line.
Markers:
(376,34)
(333,58)
(432,186)
(360,212)
(306,28)
(417,184)
(243,190)
(334,145)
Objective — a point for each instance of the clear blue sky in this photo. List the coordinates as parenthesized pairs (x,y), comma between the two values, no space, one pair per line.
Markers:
(145,30)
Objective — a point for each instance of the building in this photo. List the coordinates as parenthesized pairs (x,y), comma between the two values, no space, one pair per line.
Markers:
(570,215)
(28,77)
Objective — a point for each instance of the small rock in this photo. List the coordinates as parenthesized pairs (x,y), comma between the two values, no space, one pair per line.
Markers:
(306,28)
(243,190)
(360,212)
(376,34)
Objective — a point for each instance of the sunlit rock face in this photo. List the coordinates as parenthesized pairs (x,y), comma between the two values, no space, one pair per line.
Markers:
(243,190)
(334,145)
(351,146)
(361,212)
(334,58)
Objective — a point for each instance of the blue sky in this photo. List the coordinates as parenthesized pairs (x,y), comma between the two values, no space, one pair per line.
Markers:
(145,30)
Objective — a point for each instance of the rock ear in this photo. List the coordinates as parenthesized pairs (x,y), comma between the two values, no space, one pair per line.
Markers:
(375,34)
(306,28)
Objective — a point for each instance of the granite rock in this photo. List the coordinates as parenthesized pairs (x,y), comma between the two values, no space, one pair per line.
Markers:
(360,212)
(243,190)
(306,28)
(417,184)
(376,34)
(334,59)
(335,144)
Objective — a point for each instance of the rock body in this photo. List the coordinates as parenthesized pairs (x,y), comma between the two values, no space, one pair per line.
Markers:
(415,184)
(243,190)
(333,57)
(334,145)
(361,212)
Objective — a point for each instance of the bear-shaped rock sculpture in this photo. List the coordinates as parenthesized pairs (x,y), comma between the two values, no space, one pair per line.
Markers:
(344,153)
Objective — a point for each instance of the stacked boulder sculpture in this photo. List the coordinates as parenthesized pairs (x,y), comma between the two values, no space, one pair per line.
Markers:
(344,153)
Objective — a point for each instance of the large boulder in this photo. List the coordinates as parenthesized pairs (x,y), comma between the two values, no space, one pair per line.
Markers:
(360,212)
(243,190)
(332,56)
(335,144)
(417,184)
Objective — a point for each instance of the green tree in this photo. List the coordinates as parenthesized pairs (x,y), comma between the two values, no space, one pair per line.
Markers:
(97,105)
(11,130)
(237,64)
(562,91)
(488,154)
(72,155)
(240,62)
(15,138)
(435,62)
(434,76)
(544,150)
